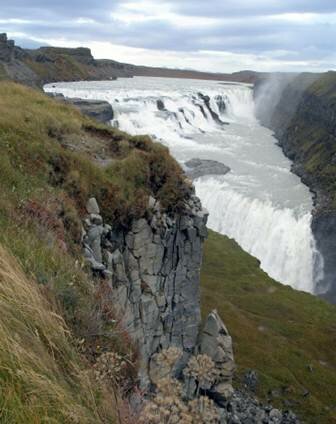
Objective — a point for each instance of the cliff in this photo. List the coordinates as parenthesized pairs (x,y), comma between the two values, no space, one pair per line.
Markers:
(124,274)
(304,123)
(108,230)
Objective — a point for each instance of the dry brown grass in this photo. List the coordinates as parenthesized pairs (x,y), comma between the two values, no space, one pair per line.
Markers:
(41,379)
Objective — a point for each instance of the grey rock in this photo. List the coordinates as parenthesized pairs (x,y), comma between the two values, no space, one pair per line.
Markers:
(97,109)
(216,342)
(92,206)
(251,380)
(154,273)
(97,220)
(151,202)
(196,168)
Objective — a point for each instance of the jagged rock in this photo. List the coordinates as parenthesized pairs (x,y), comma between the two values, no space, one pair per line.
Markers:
(96,219)
(98,109)
(160,105)
(6,49)
(154,272)
(91,261)
(242,408)
(206,102)
(251,380)
(216,342)
(92,206)
(196,168)
(94,235)
(154,277)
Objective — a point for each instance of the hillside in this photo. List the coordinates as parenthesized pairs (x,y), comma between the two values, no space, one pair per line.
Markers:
(50,64)
(304,123)
(287,336)
(52,161)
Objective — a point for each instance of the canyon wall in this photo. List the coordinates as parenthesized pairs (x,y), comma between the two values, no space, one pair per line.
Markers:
(304,122)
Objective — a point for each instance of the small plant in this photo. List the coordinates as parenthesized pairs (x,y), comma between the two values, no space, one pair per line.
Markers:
(109,367)
(168,406)
(202,369)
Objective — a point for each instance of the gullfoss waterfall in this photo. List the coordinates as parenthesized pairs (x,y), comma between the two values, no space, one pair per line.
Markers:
(259,203)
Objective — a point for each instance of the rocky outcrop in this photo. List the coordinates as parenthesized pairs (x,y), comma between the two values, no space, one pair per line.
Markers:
(206,102)
(97,109)
(216,343)
(12,64)
(6,49)
(153,271)
(196,168)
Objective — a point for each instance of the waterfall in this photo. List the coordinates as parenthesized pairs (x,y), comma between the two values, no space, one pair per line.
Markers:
(260,204)
(284,242)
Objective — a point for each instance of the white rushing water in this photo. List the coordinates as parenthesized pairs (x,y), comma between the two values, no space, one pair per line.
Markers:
(260,203)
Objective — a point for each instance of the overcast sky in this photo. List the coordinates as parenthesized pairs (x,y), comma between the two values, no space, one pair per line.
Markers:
(209,35)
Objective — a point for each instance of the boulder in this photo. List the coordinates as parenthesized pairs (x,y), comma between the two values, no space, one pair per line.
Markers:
(92,206)
(196,168)
(97,109)
(216,343)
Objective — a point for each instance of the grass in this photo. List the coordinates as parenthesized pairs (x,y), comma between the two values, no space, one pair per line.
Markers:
(42,377)
(59,67)
(287,336)
(48,171)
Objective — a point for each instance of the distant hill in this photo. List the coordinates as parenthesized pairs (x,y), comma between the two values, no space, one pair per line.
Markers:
(36,67)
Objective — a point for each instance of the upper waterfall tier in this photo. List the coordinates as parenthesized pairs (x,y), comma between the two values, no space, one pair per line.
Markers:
(259,202)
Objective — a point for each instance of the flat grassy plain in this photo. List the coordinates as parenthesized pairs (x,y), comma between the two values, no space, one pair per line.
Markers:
(287,336)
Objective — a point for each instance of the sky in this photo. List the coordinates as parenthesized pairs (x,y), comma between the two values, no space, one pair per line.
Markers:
(207,35)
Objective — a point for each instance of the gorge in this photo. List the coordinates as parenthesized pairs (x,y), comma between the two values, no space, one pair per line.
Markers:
(259,203)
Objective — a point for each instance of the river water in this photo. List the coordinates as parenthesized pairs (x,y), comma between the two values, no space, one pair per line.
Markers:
(259,203)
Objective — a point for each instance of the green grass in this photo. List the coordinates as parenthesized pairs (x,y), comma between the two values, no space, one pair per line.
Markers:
(276,330)
(44,187)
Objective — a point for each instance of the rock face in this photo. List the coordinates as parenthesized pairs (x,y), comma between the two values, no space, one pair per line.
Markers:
(153,271)
(196,168)
(216,343)
(98,109)
(6,48)
(304,121)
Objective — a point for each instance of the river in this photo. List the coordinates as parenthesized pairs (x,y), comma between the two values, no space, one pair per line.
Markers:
(259,203)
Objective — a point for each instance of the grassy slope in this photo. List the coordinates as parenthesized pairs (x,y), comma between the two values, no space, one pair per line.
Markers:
(312,137)
(44,186)
(276,330)
(43,377)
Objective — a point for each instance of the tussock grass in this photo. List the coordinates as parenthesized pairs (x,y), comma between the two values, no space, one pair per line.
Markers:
(287,336)
(48,171)
(40,373)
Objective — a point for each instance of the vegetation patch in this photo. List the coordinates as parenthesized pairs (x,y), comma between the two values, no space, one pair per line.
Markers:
(52,161)
(287,336)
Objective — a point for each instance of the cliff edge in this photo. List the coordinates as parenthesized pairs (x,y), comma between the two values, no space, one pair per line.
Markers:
(304,122)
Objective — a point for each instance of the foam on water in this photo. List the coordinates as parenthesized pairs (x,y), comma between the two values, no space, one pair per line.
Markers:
(260,203)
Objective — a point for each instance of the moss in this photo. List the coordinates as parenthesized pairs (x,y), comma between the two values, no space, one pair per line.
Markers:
(286,335)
